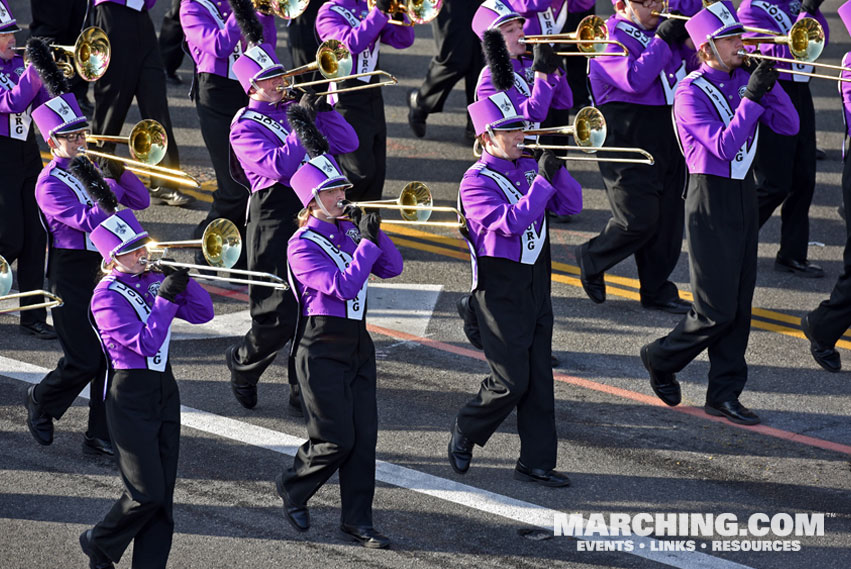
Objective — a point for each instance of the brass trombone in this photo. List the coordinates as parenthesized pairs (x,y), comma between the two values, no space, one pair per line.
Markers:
(805,41)
(418,11)
(161,172)
(89,55)
(147,141)
(647,158)
(286,9)
(6,286)
(221,246)
(590,38)
(665,14)
(414,205)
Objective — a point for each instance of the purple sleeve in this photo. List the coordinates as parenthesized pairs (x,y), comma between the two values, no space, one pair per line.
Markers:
(562,95)
(57,200)
(117,319)
(529,5)
(130,191)
(780,114)
(686,7)
(313,269)
(194,304)
(267,156)
(329,24)
(488,206)
(203,33)
(270,31)
(17,99)
(398,37)
(389,264)
(696,115)
(633,74)
(342,138)
(845,92)
(567,199)
(535,107)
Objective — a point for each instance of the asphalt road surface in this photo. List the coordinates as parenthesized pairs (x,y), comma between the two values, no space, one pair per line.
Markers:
(629,457)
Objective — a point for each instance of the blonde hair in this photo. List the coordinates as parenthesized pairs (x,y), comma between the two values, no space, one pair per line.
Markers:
(303,216)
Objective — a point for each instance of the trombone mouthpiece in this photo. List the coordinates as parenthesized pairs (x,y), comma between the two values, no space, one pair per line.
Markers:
(143,261)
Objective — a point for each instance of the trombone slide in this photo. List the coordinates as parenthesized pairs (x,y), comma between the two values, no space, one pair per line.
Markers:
(647,157)
(54,301)
(746,54)
(175,176)
(274,281)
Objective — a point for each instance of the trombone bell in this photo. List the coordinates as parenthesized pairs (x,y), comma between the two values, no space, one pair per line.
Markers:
(418,11)
(220,244)
(414,205)
(91,53)
(6,286)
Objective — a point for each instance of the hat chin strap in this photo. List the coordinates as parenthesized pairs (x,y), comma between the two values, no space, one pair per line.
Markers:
(718,56)
(633,17)
(320,204)
(496,145)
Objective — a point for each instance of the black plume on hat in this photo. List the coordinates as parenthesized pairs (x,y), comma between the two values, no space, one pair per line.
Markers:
(98,189)
(305,129)
(497,58)
(38,52)
(246,18)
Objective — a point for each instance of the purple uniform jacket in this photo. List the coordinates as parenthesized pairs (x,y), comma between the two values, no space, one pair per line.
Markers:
(543,17)
(214,48)
(552,92)
(330,265)
(137,5)
(20,92)
(778,15)
(506,212)
(269,152)
(134,322)
(717,126)
(67,210)
(647,76)
(845,93)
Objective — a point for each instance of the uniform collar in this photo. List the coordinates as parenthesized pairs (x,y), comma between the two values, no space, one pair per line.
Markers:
(715,74)
(320,226)
(62,163)
(499,164)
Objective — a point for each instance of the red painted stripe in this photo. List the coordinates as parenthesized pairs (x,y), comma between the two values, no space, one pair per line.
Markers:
(226,292)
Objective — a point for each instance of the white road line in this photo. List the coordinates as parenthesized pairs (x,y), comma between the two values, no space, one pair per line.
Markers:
(403,477)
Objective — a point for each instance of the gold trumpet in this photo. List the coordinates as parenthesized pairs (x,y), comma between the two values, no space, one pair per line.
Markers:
(89,55)
(414,205)
(147,141)
(590,38)
(665,14)
(418,11)
(334,62)
(6,286)
(286,9)
(221,246)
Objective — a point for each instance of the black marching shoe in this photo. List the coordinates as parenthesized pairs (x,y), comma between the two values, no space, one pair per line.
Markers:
(245,393)
(593,285)
(366,536)
(416,116)
(734,411)
(41,330)
(169,196)
(551,478)
(554,360)
(825,356)
(801,268)
(96,446)
(664,385)
(39,422)
(298,516)
(672,306)
(460,451)
(97,558)
(471,321)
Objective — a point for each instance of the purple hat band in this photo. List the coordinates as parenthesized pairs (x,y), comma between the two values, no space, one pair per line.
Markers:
(8,23)
(319,173)
(717,20)
(492,14)
(498,111)
(118,234)
(258,62)
(844,12)
(59,114)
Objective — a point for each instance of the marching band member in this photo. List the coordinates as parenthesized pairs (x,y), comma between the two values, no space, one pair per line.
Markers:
(21,236)
(269,153)
(717,111)
(135,70)
(504,197)
(363,31)
(217,33)
(330,261)
(133,310)
(785,167)
(826,324)
(71,208)
(635,94)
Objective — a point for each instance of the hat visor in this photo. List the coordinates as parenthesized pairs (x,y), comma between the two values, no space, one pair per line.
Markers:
(507,18)
(334,183)
(511,123)
(10,29)
(736,30)
(274,71)
(133,245)
(80,124)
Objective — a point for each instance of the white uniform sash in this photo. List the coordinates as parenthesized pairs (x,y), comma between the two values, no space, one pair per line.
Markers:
(81,194)
(220,22)
(784,22)
(366,60)
(741,164)
(355,306)
(532,241)
(19,123)
(158,361)
(552,23)
(668,88)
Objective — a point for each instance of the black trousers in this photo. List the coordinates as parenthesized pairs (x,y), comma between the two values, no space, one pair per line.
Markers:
(217,100)
(271,223)
(833,316)
(722,233)
(785,172)
(576,66)
(22,237)
(335,363)
(171,38)
(143,410)
(135,70)
(515,316)
(459,55)
(301,36)
(366,167)
(72,275)
(60,22)
(646,201)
